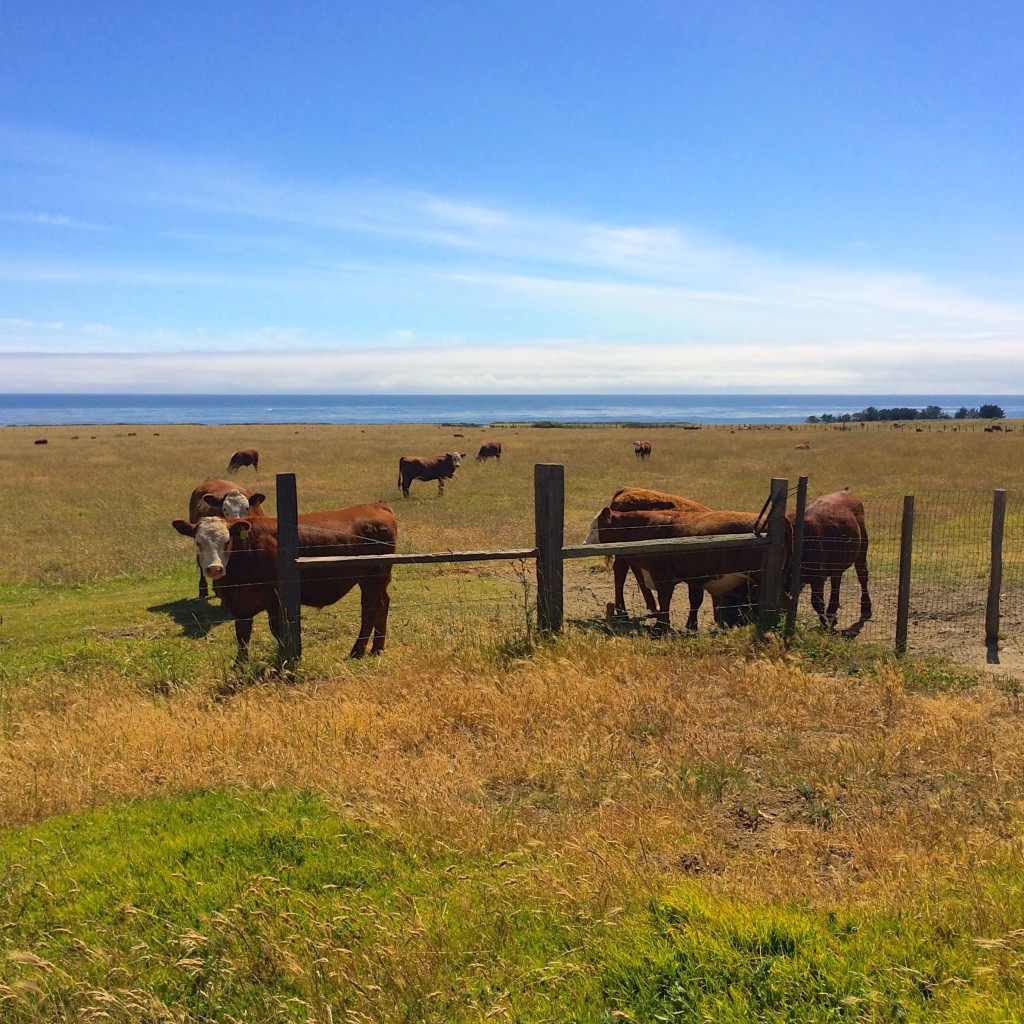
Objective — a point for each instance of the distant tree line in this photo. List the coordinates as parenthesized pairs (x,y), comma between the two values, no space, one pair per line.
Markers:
(903,412)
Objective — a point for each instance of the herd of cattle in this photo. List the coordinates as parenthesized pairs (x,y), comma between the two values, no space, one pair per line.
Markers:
(236,547)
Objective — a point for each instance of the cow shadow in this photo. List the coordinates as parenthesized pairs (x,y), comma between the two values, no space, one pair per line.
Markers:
(195,616)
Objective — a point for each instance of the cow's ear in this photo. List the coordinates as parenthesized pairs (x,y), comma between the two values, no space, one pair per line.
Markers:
(240,529)
(464,454)
(212,499)
(605,515)
(185,529)
(257,499)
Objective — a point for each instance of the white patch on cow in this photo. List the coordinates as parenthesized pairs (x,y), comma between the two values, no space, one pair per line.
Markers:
(456,458)
(592,536)
(648,580)
(636,446)
(235,506)
(212,539)
(723,584)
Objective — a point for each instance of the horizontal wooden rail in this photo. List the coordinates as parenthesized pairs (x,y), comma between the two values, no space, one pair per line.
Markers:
(423,559)
(719,542)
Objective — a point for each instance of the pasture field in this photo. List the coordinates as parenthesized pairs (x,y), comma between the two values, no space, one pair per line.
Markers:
(483,823)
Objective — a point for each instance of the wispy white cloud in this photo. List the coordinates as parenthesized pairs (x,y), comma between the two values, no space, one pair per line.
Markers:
(374,283)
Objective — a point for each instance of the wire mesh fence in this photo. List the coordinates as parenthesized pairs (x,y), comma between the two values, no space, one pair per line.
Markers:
(463,604)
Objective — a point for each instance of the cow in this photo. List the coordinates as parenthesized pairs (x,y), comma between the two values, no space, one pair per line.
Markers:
(630,499)
(244,457)
(642,449)
(215,497)
(803,446)
(731,576)
(491,450)
(240,556)
(835,537)
(439,468)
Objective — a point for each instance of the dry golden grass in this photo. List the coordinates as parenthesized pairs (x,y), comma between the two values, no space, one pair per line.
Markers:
(625,757)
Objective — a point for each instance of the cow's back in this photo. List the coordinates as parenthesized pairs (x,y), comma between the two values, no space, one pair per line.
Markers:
(628,499)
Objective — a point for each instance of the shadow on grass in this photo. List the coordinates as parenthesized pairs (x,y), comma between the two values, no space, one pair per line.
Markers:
(195,616)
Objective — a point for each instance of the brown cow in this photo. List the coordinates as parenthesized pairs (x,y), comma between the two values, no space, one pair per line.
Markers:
(802,446)
(731,576)
(642,449)
(835,537)
(240,556)
(491,450)
(630,499)
(439,468)
(244,457)
(215,497)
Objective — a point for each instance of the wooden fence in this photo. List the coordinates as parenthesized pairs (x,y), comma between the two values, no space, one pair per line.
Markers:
(550,553)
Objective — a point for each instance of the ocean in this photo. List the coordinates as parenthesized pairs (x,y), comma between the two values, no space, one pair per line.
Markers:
(55,410)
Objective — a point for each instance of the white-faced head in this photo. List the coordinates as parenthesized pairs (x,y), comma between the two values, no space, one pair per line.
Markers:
(235,506)
(212,538)
(455,457)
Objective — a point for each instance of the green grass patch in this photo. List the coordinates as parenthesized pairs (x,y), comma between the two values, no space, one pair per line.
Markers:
(268,906)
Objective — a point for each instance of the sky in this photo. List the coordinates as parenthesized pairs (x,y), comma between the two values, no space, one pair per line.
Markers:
(544,196)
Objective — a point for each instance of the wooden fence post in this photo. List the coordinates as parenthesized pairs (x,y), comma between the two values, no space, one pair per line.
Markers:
(290,640)
(549,527)
(903,593)
(995,582)
(773,576)
(798,551)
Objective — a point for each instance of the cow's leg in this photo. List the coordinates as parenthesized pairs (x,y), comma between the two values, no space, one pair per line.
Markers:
(818,598)
(861,565)
(369,617)
(380,630)
(243,633)
(696,600)
(832,613)
(665,590)
(440,486)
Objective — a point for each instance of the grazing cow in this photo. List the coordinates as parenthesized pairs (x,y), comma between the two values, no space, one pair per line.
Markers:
(439,468)
(721,572)
(215,497)
(835,537)
(240,556)
(631,499)
(42,440)
(491,450)
(244,457)
(642,449)
(802,446)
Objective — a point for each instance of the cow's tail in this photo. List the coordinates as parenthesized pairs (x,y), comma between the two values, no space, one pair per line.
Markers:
(399,484)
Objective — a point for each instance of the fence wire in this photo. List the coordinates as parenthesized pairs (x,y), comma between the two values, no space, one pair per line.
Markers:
(494,602)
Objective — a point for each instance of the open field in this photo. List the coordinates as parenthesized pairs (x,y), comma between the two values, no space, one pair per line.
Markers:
(483,824)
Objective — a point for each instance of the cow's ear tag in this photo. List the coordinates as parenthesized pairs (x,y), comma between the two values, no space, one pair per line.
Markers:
(243,533)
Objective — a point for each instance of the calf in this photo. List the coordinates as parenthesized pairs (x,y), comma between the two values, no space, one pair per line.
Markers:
(720,572)
(642,449)
(244,457)
(215,497)
(835,537)
(440,468)
(240,556)
(492,450)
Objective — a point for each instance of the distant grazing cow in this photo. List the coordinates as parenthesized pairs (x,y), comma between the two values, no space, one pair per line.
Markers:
(802,446)
(215,497)
(835,537)
(244,457)
(631,499)
(491,450)
(642,449)
(439,468)
(240,556)
(731,576)
(42,440)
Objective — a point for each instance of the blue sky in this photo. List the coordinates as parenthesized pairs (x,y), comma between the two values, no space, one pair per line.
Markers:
(515,197)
